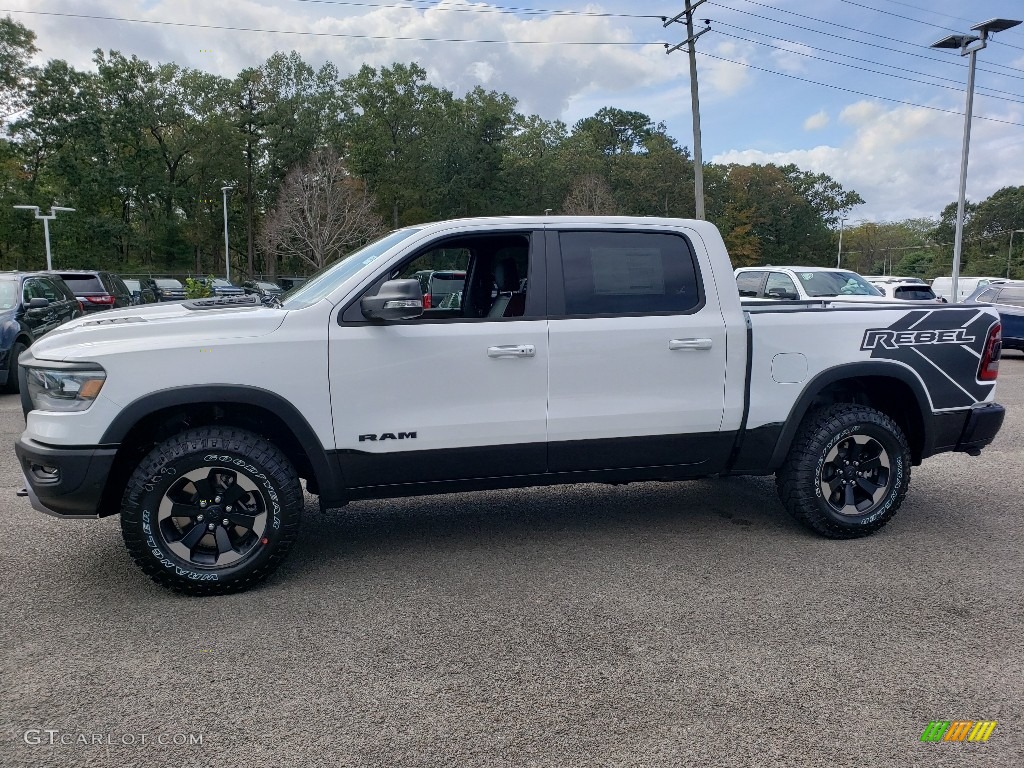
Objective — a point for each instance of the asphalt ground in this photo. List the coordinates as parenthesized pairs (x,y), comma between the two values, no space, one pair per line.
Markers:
(645,625)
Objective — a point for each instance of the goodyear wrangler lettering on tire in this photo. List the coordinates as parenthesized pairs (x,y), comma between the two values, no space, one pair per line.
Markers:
(202,522)
(847,472)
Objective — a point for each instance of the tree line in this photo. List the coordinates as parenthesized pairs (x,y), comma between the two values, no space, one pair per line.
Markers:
(318,163)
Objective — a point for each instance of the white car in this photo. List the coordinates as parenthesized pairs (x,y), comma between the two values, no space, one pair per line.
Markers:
(804,284)
(965,286)
(906,290)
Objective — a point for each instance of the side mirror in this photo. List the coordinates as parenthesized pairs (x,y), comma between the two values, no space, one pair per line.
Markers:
(396,300)
(38,303)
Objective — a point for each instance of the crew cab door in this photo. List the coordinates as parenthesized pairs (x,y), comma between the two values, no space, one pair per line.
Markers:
(638,353)
(459,392)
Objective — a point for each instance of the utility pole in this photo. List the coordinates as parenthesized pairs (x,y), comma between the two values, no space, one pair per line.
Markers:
(839,256)
(691,43)
(227,257)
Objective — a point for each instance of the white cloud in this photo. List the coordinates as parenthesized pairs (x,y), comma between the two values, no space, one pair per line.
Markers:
(791,57)
(817,121)
(725,78)
(905,161)
(544,77)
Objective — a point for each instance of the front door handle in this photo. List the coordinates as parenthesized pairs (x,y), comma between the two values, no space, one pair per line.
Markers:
(689,344)
(512,350)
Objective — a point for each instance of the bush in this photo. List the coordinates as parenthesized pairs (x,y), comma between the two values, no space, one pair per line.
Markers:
(199,289)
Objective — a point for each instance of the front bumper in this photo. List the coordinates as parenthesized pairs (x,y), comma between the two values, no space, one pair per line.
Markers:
(65,482)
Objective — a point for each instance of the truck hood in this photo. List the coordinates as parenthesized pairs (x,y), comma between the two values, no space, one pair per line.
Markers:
(154,326)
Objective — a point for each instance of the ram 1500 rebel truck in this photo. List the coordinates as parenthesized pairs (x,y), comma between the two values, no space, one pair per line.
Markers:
(581,349)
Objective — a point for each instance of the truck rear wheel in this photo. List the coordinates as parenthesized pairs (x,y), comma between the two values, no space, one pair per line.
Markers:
(211,511)
(847,472)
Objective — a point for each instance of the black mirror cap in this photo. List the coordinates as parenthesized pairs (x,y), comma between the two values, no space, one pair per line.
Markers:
(38,303)
(396,300)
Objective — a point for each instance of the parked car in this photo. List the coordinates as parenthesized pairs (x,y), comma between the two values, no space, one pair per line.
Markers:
(910,291)
(165,288)
(1006,297)
(943,286)
(262,288)
(221,287)
(287,283)
(140,293)
(804,283)
(31,305)
(893,279)
(97,290)
(438,284)
(633,360)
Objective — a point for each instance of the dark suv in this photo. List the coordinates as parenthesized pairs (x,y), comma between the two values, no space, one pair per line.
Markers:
(262,288)
(97,290)
(165,288)
(31,304)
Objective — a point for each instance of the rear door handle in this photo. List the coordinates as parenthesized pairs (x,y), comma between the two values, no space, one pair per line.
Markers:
(512,350)
(689,344)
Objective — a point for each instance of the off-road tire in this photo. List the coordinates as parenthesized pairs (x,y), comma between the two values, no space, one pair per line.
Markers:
(12,386)
(823,433)
(152,536)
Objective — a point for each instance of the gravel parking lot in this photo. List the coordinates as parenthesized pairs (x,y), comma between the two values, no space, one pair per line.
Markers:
(644,625)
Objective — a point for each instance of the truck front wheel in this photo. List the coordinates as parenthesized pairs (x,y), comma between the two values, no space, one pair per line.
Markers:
(211,511)
(847,471)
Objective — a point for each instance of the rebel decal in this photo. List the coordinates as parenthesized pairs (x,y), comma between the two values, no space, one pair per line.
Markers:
(944,346)
(894,339)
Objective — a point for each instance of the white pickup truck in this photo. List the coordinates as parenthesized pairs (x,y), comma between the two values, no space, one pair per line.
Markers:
(580,349)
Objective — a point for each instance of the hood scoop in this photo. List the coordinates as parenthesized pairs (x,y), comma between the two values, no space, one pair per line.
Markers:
(222,302)
(113,320)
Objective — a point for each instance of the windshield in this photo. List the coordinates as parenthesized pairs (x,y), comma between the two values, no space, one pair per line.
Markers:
(836,284)
(173,284)
(8,294)
(269,286)
(329,278)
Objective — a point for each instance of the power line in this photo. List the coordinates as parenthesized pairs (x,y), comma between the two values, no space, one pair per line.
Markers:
(488,9)
(858,93)
(949,61)
(221,27)
(848,28)
(911,18)
(864,69)
(946,15)
(957,83)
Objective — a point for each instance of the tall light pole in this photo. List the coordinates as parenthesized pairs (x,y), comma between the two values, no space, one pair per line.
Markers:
(842,224)
(227,256)
(969,45)
(1009,253)
(46,225)
(691,43)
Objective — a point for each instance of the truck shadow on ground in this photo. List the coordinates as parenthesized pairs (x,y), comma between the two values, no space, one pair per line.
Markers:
(543,514)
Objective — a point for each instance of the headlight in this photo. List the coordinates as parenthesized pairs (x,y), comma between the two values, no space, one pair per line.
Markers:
(52,389)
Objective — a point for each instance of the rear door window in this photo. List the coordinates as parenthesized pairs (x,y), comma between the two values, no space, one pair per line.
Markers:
(749,284)
(615,273)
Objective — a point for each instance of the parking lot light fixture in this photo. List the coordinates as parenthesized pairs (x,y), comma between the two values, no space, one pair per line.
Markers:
(969,45)
(46,225)
(1009,253)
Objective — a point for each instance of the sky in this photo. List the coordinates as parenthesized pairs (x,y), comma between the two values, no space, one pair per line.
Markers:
(845,87)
